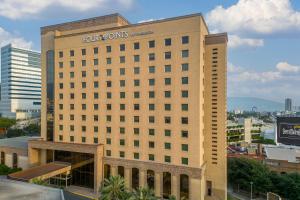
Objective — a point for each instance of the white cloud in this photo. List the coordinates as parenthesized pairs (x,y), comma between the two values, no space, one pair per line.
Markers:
(235,41)
(286,67)
(256,16)
(274,84)
(16,9)
(7,37)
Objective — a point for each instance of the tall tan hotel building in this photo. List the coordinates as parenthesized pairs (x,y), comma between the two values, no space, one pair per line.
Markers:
(146,101)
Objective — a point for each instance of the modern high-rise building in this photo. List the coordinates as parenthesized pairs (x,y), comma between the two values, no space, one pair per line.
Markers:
(20,83)
(288,104)
(146,101)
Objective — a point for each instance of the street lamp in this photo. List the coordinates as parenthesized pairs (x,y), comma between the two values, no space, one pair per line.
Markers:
(251,183)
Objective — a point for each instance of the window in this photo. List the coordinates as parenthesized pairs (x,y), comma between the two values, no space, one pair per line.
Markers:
(72,85)
(61,75)
(83,63)
(184,161)
(83,52)
(136,131)
(83,117)
(168,42)
(122,154)
(136,119)
(72,96)
(60,138)
(151,106)
(72,106)
(151,119)
(108,106)
(136,106)
(184,134)
(108,152)
(61,64)
(122,83)
(96,84)
(168,55)
(96,129)
(61,96)
(167,133)
(108,61)
(83,106)
(96,73)
(136,155)
(185,53)
(122,71)
(151,157)
(108,49)
(151,82)
(96,61)
(151,144)
(185,80)
(96,118)
(108,129)
(184,120)
(72,64)
(72,53)
(108,72)
(151,56)
(184,107)
(108,141)
(185,39)
(185,67)
(136,95)
(122,130)
(136,82)
(83,84)
(136,70)
(122,95)
(167,120)
(61,106)
(185,94)
(108,118)
(151,94)
(136,58)
(83,74)
(122,47)
(151,131)
(136,143)
(152,69)
(96,107)
(167,107)
(167,159)
(151,44)
(167,81)
(108,83)
(61,117)
(122,142)
(136,45)
(167,145)
(72,128)
(72,117)
(184,147)
(96,50)
(71,138)
(61,127)
(95,140)
(167,94)
(168,68)
(83,139)
(122,106)
(122,59)
(61,54)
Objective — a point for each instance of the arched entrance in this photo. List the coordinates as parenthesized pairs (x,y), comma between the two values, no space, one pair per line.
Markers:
(184,186)
(167,184)
(151,179)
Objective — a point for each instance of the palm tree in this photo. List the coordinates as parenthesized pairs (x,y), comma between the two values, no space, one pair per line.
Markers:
(143,193)
(113,189)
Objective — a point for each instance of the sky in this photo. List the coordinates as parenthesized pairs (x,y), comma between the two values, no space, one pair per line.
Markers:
(264,35)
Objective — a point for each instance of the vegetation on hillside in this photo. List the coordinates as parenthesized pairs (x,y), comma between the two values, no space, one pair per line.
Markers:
(242,171)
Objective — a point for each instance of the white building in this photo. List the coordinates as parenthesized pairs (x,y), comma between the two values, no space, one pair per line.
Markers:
(20,83)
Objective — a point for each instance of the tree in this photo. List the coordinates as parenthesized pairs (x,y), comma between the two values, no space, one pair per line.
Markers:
(143,194)
(5,170)
(114,189)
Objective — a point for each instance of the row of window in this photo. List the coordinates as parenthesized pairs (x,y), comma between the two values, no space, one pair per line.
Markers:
(136,95)
(136,82)
(136,70)
(122,59)
(122,47)
(136,119)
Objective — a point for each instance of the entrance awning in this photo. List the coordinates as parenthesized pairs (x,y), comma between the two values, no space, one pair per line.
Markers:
(41,172)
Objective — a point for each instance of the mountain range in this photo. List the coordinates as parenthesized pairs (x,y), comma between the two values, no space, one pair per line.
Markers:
(247,103)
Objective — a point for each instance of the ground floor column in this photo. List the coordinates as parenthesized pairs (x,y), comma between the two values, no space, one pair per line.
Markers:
(142,178)
(195,192)
(175,186)
(158,184)
(114,170)
(127,176)
(98,169)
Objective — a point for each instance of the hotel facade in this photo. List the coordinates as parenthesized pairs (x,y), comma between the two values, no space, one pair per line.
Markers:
(146,101)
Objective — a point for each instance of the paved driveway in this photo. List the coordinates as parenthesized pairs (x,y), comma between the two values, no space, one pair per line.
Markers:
(15,190)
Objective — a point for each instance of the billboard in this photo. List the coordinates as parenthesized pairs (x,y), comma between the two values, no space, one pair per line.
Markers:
(288,130)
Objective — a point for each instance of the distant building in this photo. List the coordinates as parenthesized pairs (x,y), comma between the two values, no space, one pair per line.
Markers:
(288,104)
(288,130)
(20,83)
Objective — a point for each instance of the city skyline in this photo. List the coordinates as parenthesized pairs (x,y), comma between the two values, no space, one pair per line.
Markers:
(256,66)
